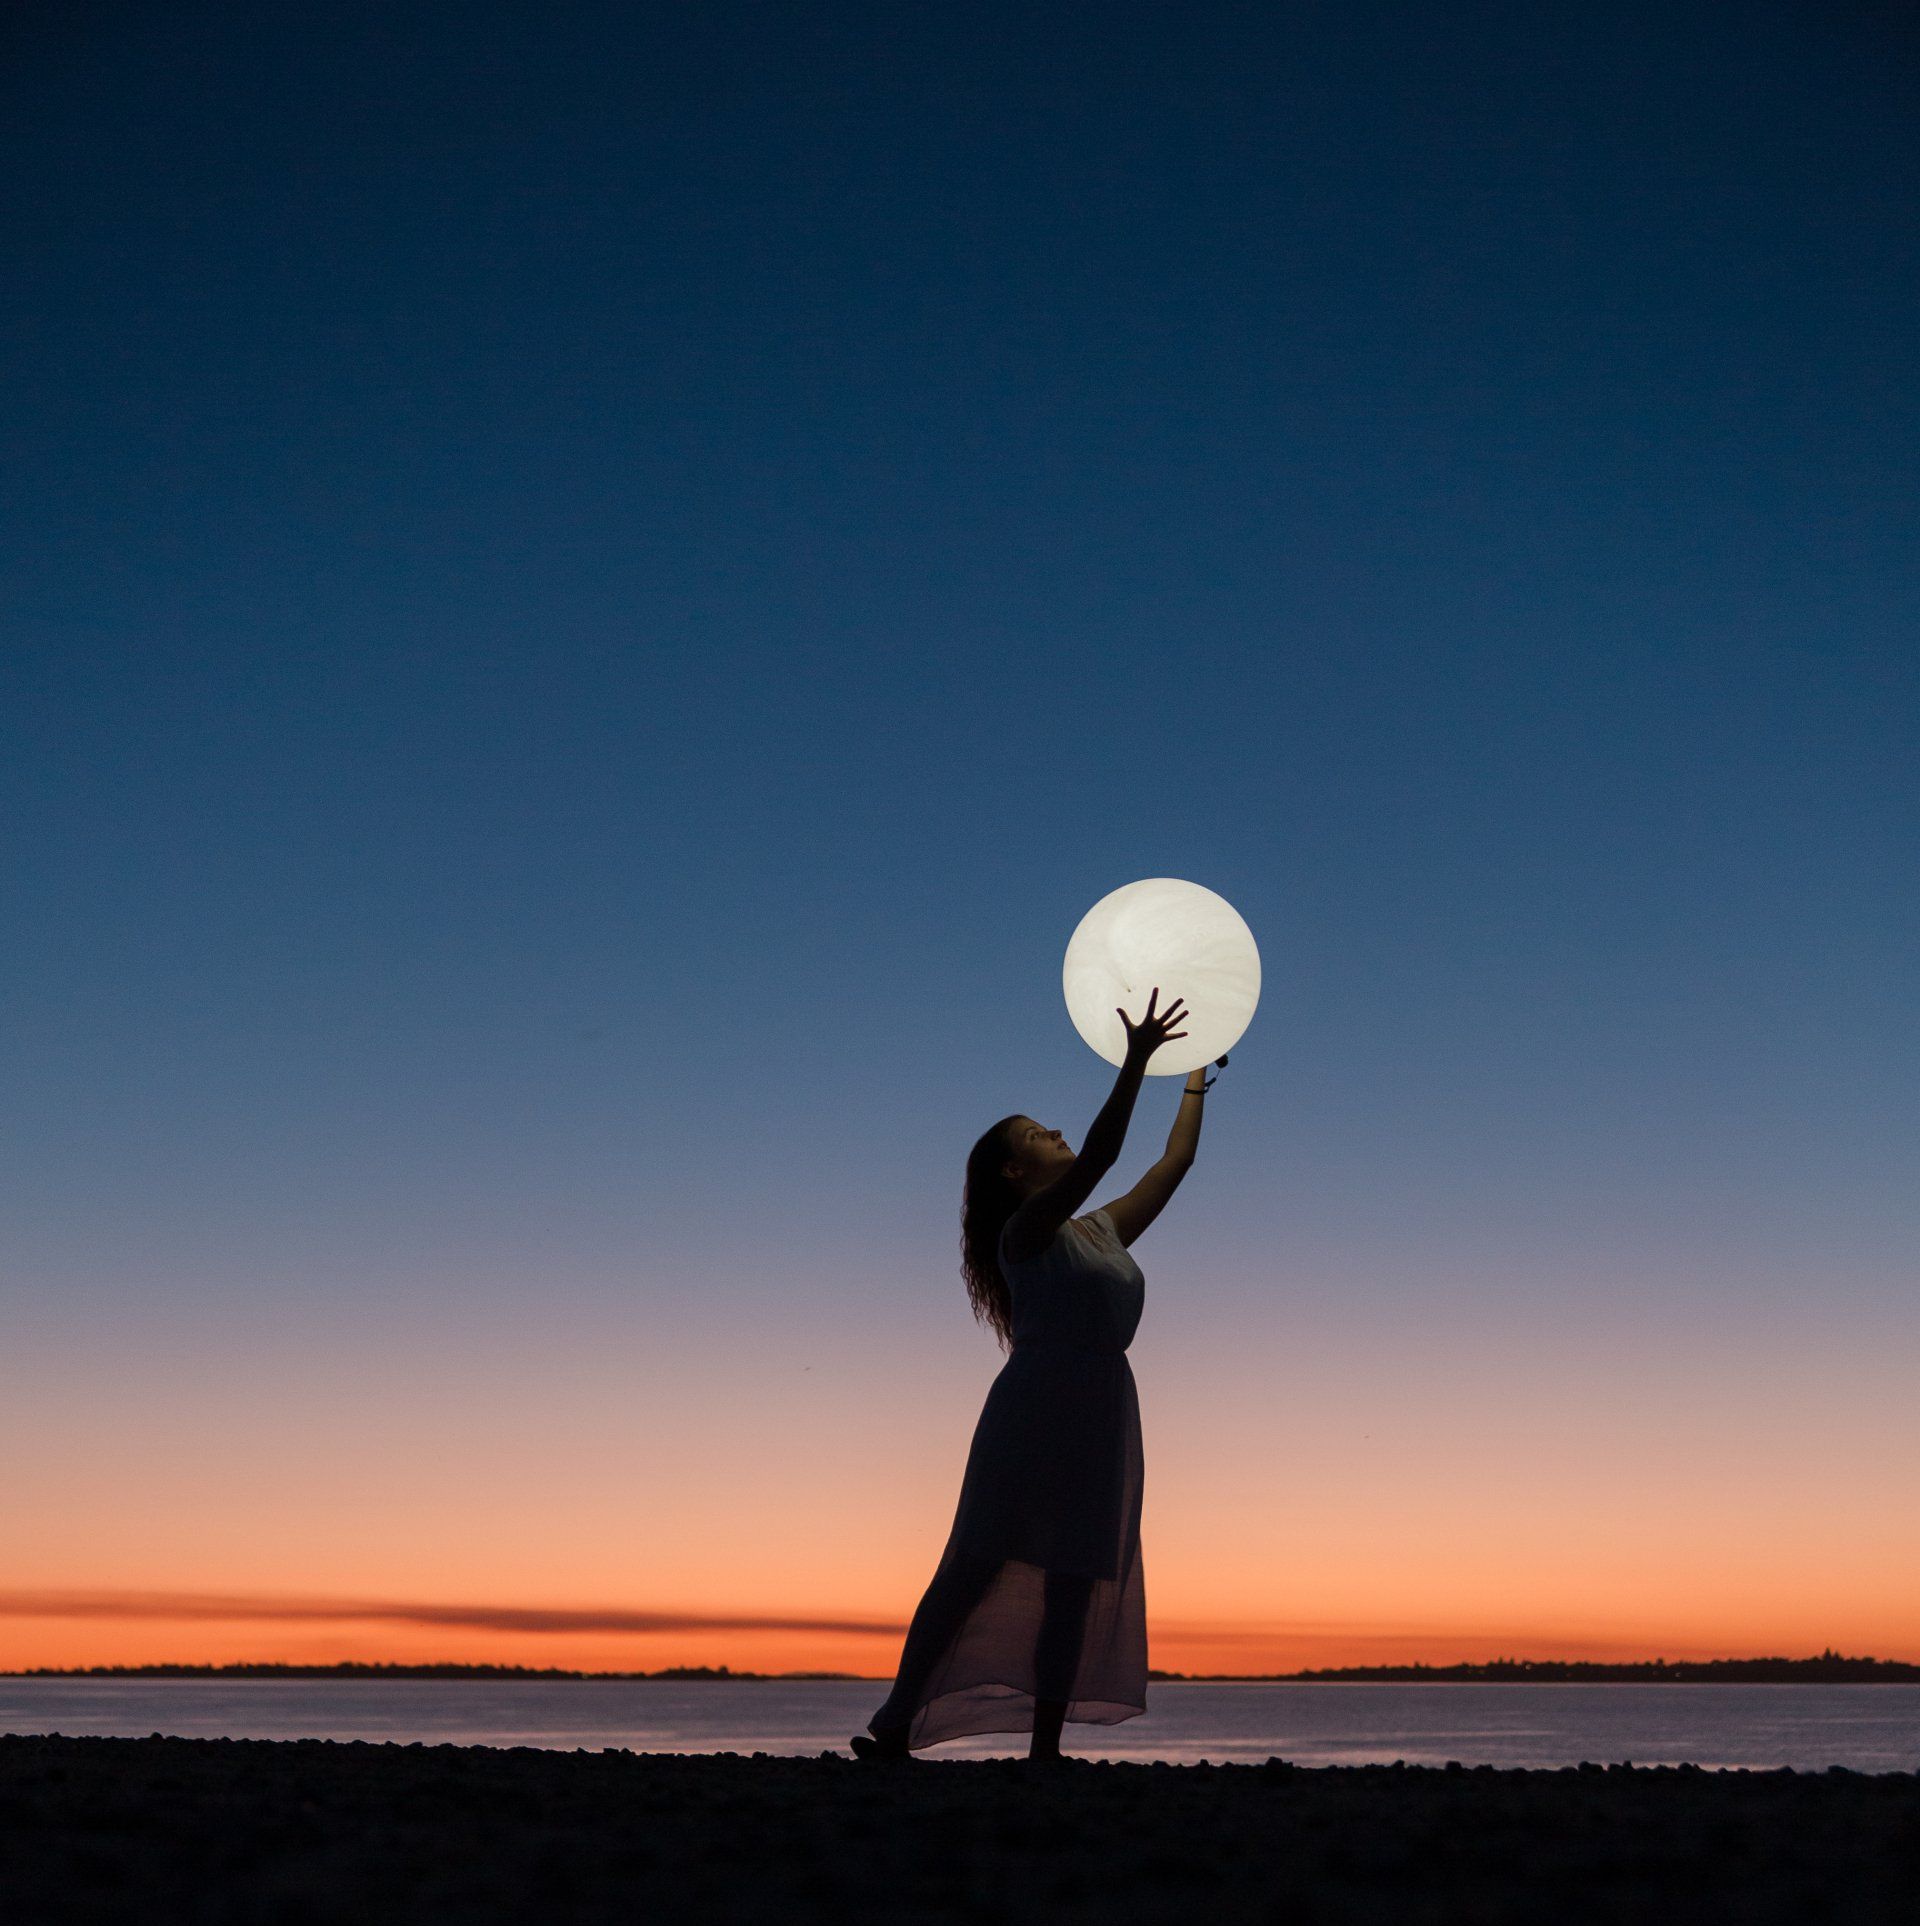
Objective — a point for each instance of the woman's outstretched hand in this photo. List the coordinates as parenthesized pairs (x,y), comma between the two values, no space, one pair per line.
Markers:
(1146,1036)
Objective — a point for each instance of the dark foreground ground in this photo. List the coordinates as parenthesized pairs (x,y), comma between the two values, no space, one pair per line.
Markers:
(232,1830)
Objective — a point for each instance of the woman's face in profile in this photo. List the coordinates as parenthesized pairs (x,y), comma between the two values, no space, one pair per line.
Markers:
(1035,1153)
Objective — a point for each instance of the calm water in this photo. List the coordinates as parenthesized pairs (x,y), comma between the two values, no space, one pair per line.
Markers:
(1870,1728)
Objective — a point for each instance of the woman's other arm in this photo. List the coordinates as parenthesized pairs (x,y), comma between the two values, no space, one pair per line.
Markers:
(1132,1213)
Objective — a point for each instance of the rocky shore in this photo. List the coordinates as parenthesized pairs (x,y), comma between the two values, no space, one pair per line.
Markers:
(289,1832)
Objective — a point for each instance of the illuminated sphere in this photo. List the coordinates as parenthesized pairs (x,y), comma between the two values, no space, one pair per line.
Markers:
(1191,943)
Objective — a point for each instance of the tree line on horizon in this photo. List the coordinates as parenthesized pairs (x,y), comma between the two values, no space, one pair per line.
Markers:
(1828,1668)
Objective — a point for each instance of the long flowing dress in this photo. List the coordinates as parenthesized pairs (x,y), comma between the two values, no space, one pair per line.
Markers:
(1049,1505)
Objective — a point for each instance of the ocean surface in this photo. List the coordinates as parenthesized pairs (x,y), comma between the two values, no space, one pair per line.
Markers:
(1868,1728)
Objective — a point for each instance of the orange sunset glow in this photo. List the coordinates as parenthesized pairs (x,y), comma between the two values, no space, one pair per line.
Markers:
(1337,1487)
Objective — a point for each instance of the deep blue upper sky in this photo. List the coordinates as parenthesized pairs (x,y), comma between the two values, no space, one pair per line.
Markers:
(591,591)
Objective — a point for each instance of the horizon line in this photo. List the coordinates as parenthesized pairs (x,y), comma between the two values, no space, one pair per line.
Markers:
(1164,1674)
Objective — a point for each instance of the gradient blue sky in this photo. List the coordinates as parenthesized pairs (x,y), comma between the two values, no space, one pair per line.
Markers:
(591,592)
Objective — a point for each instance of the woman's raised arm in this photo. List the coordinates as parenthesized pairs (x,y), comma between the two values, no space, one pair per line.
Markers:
(1032,1226)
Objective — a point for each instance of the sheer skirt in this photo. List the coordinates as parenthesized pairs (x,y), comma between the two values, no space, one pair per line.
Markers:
(1040,1592)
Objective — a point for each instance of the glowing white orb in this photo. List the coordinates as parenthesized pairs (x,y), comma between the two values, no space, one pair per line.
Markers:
(1191,943)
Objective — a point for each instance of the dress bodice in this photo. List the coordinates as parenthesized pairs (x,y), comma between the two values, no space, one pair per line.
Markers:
(1083,1291)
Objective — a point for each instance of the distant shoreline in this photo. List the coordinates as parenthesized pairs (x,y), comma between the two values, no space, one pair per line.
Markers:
(1829,1668)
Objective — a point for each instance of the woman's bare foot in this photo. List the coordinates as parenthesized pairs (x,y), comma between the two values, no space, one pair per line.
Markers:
(865,1746)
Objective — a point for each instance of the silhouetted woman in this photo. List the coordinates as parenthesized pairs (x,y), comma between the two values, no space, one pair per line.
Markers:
(1036,1613)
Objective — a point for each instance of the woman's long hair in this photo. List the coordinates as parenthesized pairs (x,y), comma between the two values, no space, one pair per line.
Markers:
(985,1205)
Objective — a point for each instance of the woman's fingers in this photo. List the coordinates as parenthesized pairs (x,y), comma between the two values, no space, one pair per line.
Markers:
(1156,1021)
